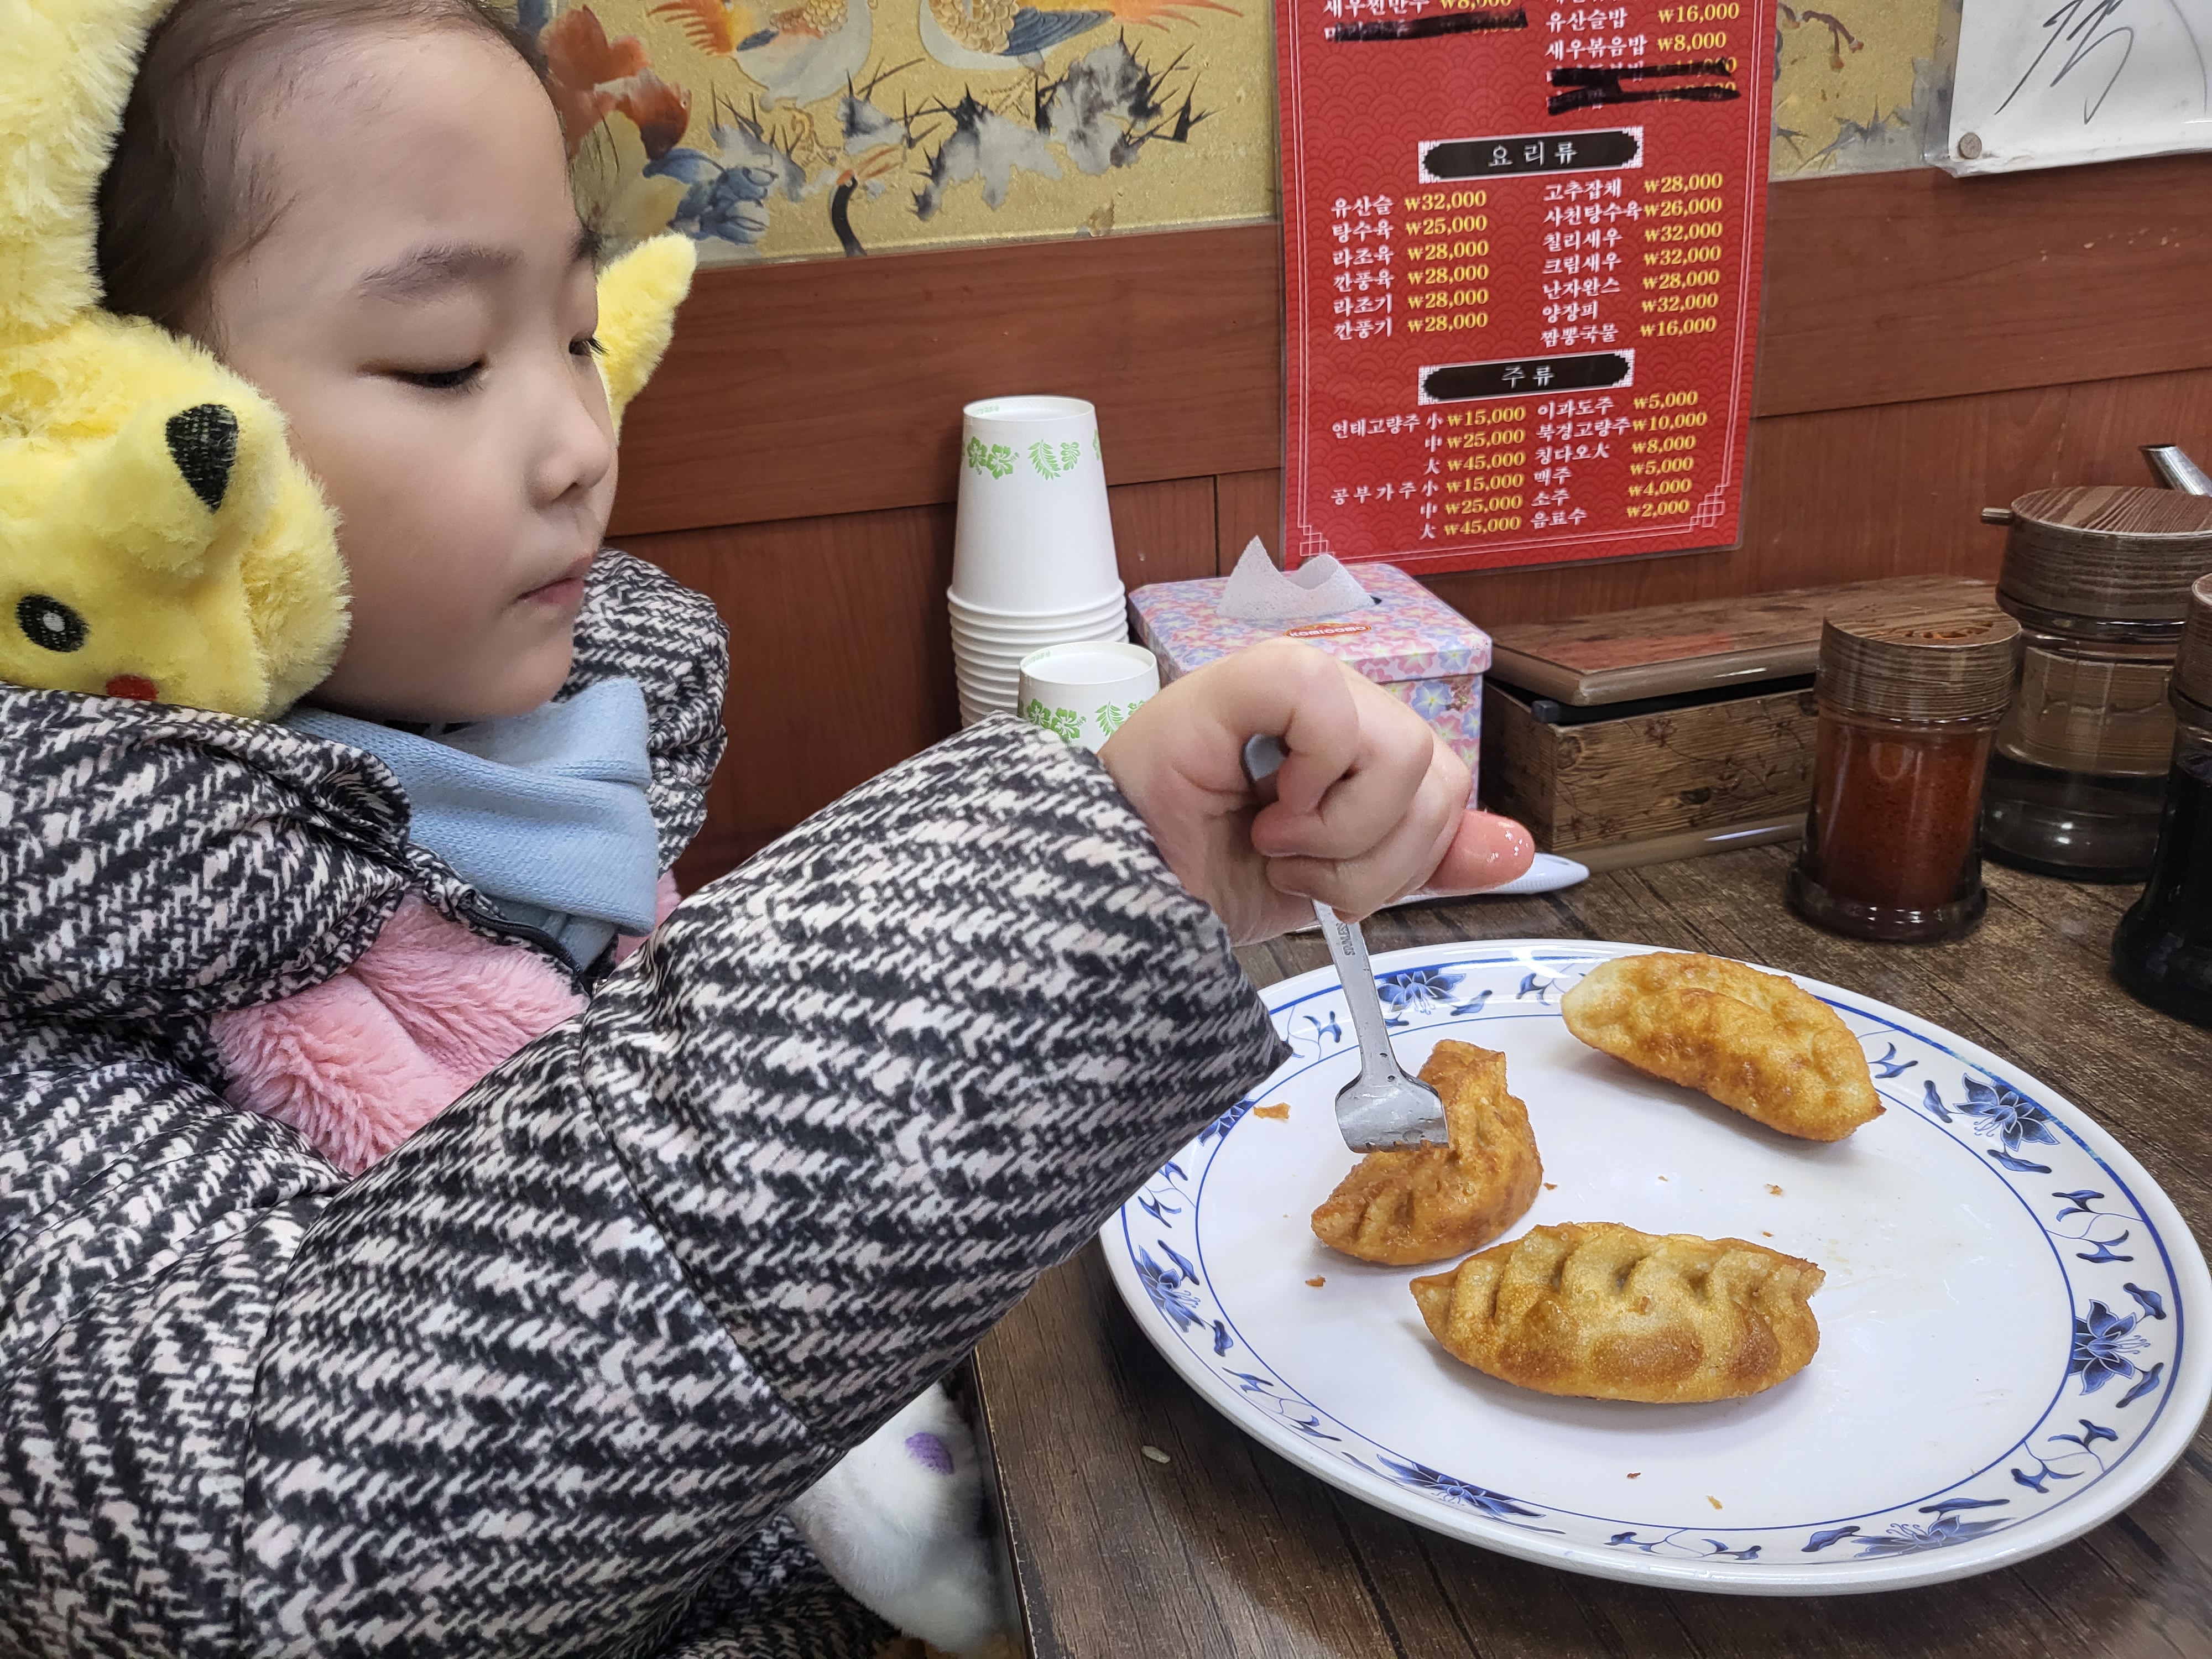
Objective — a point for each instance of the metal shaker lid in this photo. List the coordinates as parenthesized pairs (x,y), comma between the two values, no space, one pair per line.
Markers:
(2116,552)
(2192,669)
(1946,665)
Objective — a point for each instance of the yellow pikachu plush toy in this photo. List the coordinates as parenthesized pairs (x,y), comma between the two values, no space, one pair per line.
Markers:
(157,539)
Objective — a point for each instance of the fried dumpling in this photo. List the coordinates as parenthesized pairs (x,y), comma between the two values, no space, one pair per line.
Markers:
(1750,1040)
(1602,1310)
(1427,1203)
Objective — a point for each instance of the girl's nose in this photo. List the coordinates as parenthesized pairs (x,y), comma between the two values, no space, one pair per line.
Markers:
(578,446)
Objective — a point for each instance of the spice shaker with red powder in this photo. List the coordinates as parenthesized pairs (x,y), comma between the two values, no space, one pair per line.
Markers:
(1908,711)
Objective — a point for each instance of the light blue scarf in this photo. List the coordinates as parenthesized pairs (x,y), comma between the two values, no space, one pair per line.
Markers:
(543,813)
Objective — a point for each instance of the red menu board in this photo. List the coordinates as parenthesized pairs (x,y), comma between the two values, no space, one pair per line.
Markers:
(1522,255)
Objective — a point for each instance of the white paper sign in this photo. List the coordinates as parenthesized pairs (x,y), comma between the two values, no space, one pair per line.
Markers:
(2054,83)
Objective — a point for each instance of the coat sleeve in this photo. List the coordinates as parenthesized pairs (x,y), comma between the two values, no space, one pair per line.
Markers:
(518,1389)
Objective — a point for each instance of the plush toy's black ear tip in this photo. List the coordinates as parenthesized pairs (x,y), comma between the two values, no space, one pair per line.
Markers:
(203,440)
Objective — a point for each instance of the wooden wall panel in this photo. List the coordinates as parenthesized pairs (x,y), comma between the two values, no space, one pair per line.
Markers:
(1251,504)
(791,388)
(1895,286)
(1163,532)
(839,662)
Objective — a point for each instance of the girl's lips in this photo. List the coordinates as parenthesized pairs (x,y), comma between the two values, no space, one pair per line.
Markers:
(567,592)
(564,591)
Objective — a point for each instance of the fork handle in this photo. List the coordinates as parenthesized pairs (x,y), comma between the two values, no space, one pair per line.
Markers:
(1347,949)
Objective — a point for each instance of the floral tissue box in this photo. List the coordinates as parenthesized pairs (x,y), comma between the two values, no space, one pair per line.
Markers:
(1409,642)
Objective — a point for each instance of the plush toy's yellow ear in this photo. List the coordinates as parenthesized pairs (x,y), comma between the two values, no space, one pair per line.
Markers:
(65,72)
(638,297)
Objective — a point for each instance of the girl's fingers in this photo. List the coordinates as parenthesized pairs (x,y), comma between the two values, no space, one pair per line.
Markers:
(1281,689)
(1396,751)
(1423,830)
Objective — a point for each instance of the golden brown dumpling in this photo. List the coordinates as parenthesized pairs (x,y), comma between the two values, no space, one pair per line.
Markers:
(1750,1040)
(1602,1310)
(1428,1203)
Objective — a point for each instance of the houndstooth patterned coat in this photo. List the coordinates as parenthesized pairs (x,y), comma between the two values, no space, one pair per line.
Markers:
(538,1384)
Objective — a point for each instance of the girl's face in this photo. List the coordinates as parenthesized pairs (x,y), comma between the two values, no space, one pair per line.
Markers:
(422,313)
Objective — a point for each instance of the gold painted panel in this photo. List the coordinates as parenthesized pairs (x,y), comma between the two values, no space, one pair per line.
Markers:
(848,126)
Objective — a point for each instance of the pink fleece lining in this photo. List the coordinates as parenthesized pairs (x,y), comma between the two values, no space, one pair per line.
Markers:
(362,1060)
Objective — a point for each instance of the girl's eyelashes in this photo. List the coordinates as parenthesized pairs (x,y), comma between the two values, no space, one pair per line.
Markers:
(463,378)
(441,380)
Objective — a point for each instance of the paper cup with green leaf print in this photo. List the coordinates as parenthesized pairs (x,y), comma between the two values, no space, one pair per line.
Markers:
(1033,537)
(1083,692)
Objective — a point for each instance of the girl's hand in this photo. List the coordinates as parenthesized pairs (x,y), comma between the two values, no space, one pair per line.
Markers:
(1370,806)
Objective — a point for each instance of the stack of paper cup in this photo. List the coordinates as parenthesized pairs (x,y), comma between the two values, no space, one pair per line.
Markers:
(1033,552)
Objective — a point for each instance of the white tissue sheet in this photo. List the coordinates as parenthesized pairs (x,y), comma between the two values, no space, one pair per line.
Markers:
(1257,592)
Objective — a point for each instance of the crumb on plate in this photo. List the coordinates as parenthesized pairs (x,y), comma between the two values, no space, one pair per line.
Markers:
(1551,1185)
(1637,1474)
(1318,1280)
(1280,1111)
(1776,1190)
(1710,1499)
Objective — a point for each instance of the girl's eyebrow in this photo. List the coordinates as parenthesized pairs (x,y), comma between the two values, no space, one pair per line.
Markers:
(441,265)
(429,269)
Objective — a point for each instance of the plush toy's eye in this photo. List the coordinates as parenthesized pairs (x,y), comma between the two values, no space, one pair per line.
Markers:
(49,622)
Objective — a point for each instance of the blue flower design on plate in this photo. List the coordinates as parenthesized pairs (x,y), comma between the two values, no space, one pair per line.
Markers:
(1171,1287)
(1906,1539)
(1424,990)
(1451,1488)
(1417,987)
(2000,1111)
(2104,1346)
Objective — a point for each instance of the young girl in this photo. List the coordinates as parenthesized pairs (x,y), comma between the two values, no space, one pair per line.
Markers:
(537,1383)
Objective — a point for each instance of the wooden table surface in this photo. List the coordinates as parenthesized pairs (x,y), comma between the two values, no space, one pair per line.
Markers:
(1228,1550)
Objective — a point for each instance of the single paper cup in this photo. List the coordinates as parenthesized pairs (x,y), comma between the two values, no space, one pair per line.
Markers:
(1033,534)
(1083,692)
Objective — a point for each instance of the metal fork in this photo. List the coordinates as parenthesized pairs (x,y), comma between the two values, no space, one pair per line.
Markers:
(1382,1108)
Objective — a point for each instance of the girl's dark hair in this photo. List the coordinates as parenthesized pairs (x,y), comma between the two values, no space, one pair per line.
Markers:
(180,195)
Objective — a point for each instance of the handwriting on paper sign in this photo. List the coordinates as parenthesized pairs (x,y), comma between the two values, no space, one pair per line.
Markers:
(2088,35)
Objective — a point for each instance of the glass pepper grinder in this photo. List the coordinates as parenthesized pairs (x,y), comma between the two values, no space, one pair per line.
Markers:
(1908,711)
(2099,578)
(2162,949)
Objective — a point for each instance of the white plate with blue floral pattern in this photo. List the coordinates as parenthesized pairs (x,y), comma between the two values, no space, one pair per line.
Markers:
(2010,1331)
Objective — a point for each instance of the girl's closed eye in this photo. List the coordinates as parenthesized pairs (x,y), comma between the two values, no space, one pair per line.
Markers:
(586,345)
(460,379)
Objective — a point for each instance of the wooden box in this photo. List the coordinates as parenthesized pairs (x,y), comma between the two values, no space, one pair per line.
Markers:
(1644,735)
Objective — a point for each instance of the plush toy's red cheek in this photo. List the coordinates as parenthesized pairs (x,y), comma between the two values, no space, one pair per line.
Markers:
(134,686)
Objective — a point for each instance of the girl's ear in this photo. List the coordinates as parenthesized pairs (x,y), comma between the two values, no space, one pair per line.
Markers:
(638,296)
